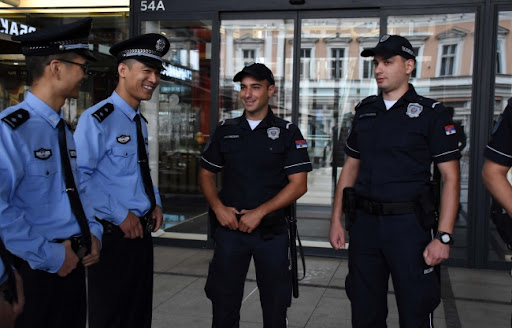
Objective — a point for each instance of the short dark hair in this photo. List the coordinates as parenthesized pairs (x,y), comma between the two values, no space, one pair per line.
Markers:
(36,65)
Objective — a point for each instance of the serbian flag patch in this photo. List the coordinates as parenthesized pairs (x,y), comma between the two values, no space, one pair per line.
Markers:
(449,129)
(301,144)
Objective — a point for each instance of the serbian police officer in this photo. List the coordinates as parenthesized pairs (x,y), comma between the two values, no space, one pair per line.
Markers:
(42,218)
(112,139)
(498,160)
(264,164)
(387,198)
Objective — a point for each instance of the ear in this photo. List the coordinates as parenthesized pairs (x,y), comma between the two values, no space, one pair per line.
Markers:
(409,65)
(55,67)
(271,90)
(122,69)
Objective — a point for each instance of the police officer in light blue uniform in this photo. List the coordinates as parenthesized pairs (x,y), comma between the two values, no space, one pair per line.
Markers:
(112,140)
(37,214)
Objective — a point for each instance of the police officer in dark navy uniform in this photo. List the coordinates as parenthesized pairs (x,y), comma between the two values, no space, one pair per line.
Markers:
(386,195)
(111,139)
(498,161)
(44,220)
(264,164)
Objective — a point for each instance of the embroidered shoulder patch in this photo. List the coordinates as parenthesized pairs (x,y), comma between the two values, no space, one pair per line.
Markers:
(17,118)
(103,112)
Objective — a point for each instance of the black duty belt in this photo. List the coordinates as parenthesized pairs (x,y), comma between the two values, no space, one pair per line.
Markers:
(384,208)
(147,222)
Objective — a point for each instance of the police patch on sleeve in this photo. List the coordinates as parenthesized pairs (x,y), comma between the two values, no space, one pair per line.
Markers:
(449,129)
(414,110)
(43,154)
(301,144)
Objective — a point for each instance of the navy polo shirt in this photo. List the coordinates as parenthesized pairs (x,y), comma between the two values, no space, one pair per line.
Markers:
(396,147)
(499,149)
(255,163)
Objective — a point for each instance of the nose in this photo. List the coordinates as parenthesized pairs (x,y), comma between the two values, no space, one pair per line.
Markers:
(378,68)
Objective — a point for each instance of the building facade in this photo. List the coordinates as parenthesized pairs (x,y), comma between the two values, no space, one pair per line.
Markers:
(313,49)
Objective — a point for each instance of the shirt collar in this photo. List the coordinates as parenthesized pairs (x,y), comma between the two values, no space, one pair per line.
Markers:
(123,105)
(266,122)
(408,97)
(43,110)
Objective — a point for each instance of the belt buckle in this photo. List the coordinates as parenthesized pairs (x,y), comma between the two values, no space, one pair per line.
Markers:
(148,224)
(78,247)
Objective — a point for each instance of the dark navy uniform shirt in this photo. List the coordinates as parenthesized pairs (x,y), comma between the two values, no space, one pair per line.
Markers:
(499,149)
(255,163)
(397,146)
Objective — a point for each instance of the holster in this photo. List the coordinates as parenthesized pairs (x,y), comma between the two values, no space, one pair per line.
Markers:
(502,222)
(349,206)
(426,209)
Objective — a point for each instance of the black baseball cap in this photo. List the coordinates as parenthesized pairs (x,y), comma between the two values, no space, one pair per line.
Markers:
(71,37)
(256,70)
(147,48)
(389,46)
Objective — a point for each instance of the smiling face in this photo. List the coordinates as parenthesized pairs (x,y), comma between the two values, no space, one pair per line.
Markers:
(137,81)
(255,96)
(75,76)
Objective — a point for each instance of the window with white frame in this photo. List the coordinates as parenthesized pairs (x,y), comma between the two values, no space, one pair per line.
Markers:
(305,63)
(337,51)
(337,62)
(450,43)
(249,56)
(248,50)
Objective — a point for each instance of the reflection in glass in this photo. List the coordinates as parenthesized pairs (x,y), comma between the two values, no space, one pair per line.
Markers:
(178,116)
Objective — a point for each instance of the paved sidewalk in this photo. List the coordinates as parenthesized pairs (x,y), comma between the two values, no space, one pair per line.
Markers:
(471,298)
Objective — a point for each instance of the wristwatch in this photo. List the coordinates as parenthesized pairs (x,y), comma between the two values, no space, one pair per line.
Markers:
(444,237)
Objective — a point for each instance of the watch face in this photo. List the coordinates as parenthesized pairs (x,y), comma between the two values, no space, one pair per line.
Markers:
(445,238)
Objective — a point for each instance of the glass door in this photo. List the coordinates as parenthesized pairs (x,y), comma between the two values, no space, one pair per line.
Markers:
(179,122)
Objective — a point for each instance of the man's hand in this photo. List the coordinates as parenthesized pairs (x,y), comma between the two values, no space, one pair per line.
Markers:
(9,312)
(158,217)
(94,256)
(227,217)
(336,235)
(70,260)
(131,226)
(250,220)
(436,252)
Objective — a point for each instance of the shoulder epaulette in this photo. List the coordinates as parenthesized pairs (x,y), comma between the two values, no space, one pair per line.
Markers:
(229,121)
(144,118)
(102,113)
(16,118)
(432,103)
(366,101)
(282,123)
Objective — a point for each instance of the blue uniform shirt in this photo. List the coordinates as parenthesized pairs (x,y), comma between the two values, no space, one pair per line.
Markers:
(106,138)
(34,208)
(499,149)
(396,147)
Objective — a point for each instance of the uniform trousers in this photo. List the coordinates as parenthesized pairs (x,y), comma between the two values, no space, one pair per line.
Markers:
(120,285)
(384,245)
(228,271)
(52,301)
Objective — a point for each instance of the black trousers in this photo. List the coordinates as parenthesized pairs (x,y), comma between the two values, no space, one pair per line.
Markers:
(228,270)
(52,301)
(381,246)
(121,284)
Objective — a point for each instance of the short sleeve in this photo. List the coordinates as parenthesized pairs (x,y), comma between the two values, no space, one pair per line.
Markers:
(499,149)
(443,138)
(297,158)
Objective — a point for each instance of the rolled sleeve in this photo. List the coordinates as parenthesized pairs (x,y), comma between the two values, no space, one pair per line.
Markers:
(297,159)
(443,139)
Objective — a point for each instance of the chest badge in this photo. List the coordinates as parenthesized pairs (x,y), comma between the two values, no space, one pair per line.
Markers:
(273,133)
(43,154)
(123,139)
(414,110)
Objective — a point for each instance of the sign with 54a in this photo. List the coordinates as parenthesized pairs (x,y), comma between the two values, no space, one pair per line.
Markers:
(152,5)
